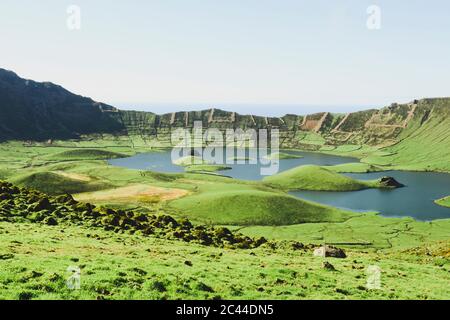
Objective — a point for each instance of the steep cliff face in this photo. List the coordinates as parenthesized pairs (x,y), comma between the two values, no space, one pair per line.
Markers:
(35,111)
(384,127)
(425,141)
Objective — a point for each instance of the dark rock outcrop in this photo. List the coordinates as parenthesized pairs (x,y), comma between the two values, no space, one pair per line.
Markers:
(389,182)
(41,208)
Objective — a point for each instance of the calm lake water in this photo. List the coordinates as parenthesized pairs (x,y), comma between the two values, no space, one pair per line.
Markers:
(415,200)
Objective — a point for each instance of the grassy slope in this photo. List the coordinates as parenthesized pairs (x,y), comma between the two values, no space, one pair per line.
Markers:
(421,276)
(86,154)
(423,146)
(283,155)
(364,231)
(311,177)
(233,204)
(54,183)
(357,167)
(123,266)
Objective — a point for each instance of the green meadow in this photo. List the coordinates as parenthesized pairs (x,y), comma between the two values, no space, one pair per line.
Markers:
(119,263)
(124,266)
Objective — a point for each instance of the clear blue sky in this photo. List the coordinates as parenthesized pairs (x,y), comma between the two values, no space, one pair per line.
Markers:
(273,56)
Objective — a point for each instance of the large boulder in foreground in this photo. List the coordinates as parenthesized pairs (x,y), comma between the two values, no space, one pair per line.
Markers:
(389,182)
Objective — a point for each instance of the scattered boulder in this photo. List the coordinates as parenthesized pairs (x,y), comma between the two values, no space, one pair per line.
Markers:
(188,263)
(328,266)
(42,204)
(329,251)
(342,291)
(139,271)
(204,287)
(5,196)
(6,256)
(25,295)
(261,241)
(297,245)
(66,199)
(223,233)
(83,207)
(50,221)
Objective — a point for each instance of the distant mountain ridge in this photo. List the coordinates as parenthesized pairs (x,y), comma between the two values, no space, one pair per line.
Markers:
(31,110)
(37,111)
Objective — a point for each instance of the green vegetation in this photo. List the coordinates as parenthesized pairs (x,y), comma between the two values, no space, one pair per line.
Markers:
(147,235)
(233,204)
(189,161)
(394,141)
(424,145)
(113,247)
(58,183)
(411,136)
(310,177)
(117,266)
(282,156)
(86,154)
(115,259)
(19,204)
(445,202)
(357,167)
(125,266)
(367,231)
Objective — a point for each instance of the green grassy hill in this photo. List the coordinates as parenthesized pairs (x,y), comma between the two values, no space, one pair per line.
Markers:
(356,167)
(86,154)
(282,155)
(311,177)
(445,202)
(56,183)
(190,161)
(231,204)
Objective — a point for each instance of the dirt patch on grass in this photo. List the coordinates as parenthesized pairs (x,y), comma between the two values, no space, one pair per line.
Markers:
(74,176)
(136,192)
